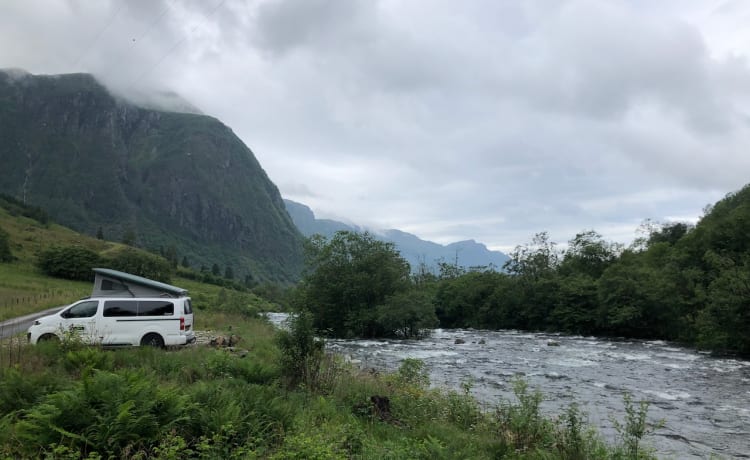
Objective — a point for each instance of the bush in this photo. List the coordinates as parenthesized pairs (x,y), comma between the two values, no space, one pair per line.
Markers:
(522,425)
(633,430)
(301,352)
(69,262)
(141,263)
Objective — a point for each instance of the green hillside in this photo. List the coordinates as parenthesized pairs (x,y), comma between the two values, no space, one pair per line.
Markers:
(25,289)
(173,180)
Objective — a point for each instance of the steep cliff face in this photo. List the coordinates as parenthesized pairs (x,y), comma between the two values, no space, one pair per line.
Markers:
(176,179)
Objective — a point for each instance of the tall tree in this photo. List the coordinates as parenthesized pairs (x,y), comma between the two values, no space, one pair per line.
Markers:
(347,278)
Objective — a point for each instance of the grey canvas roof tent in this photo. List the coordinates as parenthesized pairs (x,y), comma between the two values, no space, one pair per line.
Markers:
(113,283)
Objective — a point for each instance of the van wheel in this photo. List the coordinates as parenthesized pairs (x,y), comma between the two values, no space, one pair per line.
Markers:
(152,340)
(48,338)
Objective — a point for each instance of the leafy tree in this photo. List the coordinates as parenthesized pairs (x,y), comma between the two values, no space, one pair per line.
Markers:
(533,260)
(576,307)
(229,272)
(185,263)
(347,278)
(215,270)
(99,234)
(69,262)
(141,263)
(724,323)
(669,233)
(460,301)
(588,254)
(407,314)
(534,267)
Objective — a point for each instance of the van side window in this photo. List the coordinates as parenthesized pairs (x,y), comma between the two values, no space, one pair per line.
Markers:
(82,310)
(109,285)
(155,308)
(120,308)
(188,307)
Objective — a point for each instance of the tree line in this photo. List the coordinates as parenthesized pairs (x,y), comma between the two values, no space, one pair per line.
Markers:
(681,282)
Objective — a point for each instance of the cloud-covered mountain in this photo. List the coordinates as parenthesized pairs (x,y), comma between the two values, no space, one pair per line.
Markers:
(415,250)
(95,161)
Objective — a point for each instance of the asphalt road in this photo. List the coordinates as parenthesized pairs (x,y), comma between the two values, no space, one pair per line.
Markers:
(15,326)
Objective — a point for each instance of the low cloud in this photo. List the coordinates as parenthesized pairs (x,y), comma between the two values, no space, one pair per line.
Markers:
(452,120)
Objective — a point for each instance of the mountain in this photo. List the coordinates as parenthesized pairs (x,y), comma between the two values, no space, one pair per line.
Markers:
(415,250)
(176,180)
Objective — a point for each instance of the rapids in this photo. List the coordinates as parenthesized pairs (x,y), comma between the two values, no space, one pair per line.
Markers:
(703,400)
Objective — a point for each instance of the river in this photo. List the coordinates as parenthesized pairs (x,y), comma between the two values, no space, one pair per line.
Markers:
(703,400)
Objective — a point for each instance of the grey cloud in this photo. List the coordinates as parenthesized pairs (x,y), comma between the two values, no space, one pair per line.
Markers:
(456,120)
(284,25)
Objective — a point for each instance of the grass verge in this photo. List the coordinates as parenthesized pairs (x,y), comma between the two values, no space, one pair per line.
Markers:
(69,401)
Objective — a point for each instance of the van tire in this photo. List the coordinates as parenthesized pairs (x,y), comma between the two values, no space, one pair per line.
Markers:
(48,338)
(152,340)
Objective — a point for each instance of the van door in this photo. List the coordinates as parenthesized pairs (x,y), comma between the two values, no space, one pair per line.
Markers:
(80,321)
(119,324)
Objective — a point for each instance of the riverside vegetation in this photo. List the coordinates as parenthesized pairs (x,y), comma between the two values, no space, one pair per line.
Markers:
(677,282)
(285,399)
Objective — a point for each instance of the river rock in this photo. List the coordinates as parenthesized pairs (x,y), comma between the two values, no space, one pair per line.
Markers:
(459,341)
(553,343)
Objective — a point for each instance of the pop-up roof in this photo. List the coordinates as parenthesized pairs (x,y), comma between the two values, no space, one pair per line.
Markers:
(113,283)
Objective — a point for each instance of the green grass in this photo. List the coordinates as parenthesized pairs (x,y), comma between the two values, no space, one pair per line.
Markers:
(24,290)
(68,401)
(71,401)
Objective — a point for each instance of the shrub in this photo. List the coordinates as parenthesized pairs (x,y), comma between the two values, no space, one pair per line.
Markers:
(632,431)
(69,262)
(575,439)
(522,425)
(413,372)
(141,263)
(301,351)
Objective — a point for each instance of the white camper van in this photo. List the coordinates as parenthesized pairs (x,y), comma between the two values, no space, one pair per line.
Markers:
(123,310)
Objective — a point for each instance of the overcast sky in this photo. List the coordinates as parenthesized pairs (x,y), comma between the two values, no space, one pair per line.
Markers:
(487,120)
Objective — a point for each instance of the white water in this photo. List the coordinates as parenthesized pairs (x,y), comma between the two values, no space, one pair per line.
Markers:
(704,401)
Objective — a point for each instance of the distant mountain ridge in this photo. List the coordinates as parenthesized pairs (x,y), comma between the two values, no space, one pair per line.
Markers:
(183,180)
(415,250)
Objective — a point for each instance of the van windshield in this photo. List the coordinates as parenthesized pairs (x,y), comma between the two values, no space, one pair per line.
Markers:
(82,310)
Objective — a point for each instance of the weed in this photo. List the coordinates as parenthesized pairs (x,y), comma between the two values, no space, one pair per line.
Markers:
(634,429)
(522,425)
